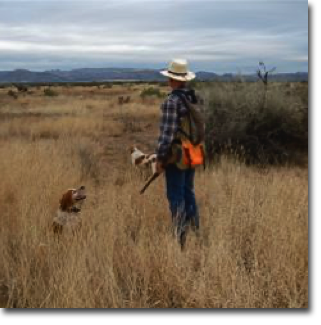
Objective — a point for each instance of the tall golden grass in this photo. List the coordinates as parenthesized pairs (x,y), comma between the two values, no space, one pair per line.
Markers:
(251,252)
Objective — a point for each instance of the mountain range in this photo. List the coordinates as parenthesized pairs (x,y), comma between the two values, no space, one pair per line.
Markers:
(127,74)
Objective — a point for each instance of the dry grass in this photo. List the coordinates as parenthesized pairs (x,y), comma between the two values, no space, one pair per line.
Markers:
(253,246)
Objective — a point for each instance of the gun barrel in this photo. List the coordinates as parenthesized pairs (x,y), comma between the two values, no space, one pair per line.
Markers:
(151,179)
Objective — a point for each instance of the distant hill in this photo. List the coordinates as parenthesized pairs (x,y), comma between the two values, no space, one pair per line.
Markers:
(114,74)
(22,75)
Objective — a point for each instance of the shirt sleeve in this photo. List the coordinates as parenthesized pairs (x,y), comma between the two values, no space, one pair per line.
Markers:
(168,128)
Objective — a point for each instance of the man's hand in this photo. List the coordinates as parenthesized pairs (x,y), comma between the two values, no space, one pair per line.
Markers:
(159,167)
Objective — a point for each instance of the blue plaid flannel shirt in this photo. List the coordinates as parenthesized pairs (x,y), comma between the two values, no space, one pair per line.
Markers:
(172,110)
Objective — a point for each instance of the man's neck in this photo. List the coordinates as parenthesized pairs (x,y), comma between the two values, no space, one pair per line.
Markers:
(178,87)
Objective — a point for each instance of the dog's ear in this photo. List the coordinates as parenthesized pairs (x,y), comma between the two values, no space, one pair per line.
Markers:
(66,201)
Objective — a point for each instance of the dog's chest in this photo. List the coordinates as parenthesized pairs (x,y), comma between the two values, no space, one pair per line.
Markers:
(68,219)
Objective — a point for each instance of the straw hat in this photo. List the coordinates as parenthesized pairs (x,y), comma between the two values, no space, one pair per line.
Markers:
(178,70)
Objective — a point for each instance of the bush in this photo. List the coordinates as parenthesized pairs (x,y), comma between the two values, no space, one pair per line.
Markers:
(49,92)
(151,91)
(260,128)
(13,94)
(162,84)
(108,85)
(195,84)
(21,88)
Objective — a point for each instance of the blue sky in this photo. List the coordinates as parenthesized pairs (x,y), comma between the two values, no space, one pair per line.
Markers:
(220,36)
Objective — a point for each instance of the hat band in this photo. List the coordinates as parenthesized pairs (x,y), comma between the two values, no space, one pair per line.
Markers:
(178,73)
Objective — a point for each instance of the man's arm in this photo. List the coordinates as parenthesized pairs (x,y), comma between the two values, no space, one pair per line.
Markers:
(168,128)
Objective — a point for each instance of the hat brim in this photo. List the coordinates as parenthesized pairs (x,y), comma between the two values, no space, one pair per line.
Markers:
(188,77)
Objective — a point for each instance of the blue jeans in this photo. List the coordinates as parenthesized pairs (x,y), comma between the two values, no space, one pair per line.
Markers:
(181,198)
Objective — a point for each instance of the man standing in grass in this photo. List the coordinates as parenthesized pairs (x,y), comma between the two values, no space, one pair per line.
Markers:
(179,175)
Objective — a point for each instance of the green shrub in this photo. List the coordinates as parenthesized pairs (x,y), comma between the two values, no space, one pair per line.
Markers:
(49,92)
(260,128)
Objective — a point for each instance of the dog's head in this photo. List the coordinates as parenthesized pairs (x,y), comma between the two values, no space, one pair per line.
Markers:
(137,156)
(71,197)
(135,151)
(141,159)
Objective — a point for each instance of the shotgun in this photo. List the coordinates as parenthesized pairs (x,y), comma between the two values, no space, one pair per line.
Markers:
(170,159)
(151,180)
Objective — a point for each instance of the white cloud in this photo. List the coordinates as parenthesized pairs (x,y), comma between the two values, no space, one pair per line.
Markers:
(136,32)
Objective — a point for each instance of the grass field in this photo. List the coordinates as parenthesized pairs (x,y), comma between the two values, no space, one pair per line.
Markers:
(252,250)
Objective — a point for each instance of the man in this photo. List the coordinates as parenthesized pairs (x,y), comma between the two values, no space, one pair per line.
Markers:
(179,182)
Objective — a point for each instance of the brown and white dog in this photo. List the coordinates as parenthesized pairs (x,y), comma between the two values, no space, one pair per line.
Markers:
(68,215)
(139,159)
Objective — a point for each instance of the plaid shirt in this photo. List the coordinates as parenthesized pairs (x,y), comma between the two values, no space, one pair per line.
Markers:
(172,110)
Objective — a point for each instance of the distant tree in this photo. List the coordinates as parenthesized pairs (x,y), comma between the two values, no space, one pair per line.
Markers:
(263,73)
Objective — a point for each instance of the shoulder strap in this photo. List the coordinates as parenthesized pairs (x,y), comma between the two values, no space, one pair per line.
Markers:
(186,95)
(182,96)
